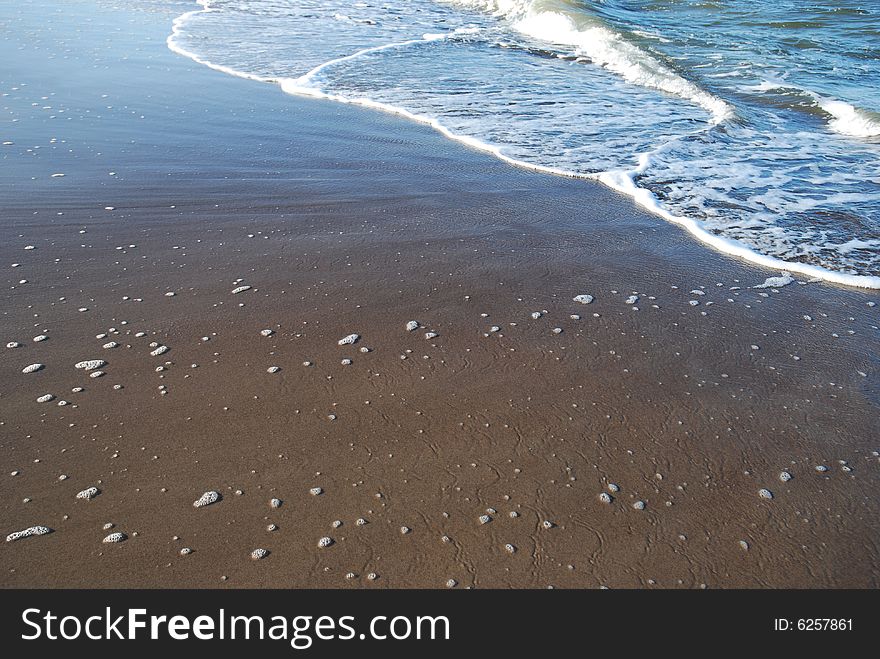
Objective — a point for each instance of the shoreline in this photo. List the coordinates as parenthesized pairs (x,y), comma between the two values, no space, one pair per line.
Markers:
(346,221)
(620,181)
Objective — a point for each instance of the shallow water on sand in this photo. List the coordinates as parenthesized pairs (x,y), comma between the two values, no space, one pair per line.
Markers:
(756,126)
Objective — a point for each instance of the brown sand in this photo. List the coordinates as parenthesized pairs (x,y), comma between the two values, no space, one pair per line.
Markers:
(672,405)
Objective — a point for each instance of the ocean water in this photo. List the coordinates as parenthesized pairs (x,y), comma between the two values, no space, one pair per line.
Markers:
(756,126)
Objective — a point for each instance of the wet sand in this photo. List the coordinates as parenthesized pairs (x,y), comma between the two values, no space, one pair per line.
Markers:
(343,221)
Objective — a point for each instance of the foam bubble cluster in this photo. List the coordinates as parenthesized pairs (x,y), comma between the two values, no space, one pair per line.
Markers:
(114,538)
(90,364)
(88,493)
(776,282)
(26,533)
(207,499)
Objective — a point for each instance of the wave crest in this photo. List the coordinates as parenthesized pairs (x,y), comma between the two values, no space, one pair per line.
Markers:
(562,24)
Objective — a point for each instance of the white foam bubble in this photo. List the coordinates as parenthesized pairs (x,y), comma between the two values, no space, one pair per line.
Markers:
(207,499)
(28,532)
(776,282)
(90,364)
(88,493)
(115,538)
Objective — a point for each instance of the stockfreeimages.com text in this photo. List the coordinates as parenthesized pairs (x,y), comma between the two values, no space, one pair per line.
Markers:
(299,631)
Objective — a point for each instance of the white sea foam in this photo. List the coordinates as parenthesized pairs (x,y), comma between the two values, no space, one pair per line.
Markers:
(843,117)
(88,493)
(28,532)
(850,120)
(90,364)
(115,538)
(207,499)
(776,282)
(623,181)
(177,27)
(605,47)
